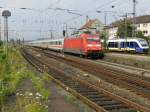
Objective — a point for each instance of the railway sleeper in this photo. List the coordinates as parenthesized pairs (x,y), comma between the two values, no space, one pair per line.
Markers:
(91,92)
(123,110)
(114,106)
(103,103)
(59,77)
(140,86)
(75,87)
(82,90)
(94,96)
(101,99)
(72,85)
(71,82)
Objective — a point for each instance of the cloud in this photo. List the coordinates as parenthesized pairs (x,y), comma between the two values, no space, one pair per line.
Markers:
(38,4)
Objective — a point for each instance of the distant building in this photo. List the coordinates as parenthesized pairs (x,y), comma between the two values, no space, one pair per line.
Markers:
(142,24)
(95,26)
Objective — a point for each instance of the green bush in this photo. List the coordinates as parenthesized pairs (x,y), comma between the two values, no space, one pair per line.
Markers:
(2,57)
(39,84)
(11,72)
(70,98)
(34,108)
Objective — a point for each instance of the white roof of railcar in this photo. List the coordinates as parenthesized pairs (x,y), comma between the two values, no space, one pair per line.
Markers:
(128,39)
(47,40)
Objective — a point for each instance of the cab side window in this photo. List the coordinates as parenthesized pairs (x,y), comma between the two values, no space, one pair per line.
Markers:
(136,45)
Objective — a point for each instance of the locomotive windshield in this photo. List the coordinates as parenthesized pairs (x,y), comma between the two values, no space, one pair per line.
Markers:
(143,43)
(91,40)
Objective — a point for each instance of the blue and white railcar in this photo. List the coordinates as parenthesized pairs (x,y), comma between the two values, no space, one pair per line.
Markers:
(137,45)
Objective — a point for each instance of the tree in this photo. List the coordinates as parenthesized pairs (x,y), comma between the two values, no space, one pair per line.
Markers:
(1,43)
(104,36)
(140,34)
(124,29)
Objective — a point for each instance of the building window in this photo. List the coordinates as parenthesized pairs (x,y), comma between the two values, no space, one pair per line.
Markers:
(145,32)
(138,25)
(145,25)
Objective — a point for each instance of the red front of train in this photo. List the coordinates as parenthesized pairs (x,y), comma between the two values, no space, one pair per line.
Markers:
(86,45)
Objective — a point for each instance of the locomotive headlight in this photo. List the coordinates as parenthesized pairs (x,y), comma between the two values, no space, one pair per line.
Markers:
(90,45)
(98,45)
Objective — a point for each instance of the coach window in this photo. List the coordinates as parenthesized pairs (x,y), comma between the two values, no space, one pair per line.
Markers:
(116,45)
(111,44)
(123,45)
(128,44)
(132,44)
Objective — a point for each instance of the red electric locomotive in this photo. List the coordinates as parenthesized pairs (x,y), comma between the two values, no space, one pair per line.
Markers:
(85,45)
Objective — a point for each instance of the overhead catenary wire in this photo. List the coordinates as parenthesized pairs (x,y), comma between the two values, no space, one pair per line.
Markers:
(92,10)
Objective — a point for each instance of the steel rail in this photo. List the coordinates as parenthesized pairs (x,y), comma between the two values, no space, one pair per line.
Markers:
(57,75)
(133,84)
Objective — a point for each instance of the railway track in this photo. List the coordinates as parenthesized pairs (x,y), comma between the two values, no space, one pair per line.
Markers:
(140,71)
(98,98)
(121,79)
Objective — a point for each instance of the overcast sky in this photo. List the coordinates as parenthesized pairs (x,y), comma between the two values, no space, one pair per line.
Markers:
(39,21)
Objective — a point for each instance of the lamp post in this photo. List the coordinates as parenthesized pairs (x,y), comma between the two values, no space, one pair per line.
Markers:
(6,14)
(105,15)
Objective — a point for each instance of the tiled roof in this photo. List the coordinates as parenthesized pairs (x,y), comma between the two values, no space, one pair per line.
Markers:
(143,19)
(88,24)
(139,19)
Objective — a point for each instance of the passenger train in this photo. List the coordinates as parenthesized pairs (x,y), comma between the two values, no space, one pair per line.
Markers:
(137,45)
(84,45)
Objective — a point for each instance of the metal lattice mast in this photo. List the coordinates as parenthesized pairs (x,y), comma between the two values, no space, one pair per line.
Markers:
(134,18)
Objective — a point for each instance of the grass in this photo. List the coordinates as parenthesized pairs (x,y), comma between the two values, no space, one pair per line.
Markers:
(70,98)
(34,108)
(39,84)
(12,71)
(24,104)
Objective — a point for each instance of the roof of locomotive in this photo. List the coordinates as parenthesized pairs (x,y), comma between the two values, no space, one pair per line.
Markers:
(82,36)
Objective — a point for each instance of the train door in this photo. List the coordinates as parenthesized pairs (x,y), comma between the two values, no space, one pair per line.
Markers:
(81,46)
(119,46)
